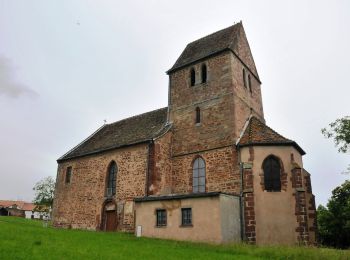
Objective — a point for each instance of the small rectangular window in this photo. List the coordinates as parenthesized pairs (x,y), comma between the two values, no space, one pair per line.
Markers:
(68,174)
(161,217)
(186,217)
(198,115)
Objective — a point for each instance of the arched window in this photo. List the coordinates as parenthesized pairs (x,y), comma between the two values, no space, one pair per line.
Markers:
(250,84)
(204,73)
(272,174)
(199,175)
(193,77)
(244,78)
(198,115)
(112,179)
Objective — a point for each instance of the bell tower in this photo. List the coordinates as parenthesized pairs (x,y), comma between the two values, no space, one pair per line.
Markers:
(213,89)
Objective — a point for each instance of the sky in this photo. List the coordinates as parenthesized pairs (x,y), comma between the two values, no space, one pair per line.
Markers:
(66,66)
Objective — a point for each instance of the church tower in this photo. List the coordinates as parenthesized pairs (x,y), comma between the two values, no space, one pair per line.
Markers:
(214,88)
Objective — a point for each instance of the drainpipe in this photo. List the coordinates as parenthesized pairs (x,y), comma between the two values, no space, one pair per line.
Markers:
(241,199)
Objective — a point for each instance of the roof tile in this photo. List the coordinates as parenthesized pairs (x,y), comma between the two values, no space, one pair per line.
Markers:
(128,131)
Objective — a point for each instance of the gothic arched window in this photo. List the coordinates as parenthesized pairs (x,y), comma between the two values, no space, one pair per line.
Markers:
(198,175)
(272,174)
(204,73)
(112,179)
(193,77)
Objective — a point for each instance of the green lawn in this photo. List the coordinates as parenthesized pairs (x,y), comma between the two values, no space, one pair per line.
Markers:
(28,239)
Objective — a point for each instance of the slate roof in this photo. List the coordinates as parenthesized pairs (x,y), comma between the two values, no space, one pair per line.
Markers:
(133,130)
(225,39)
(257,133)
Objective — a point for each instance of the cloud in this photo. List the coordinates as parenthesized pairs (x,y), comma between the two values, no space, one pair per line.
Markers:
(8,85)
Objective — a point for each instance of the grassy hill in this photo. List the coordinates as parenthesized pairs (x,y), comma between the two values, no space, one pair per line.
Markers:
(28,239)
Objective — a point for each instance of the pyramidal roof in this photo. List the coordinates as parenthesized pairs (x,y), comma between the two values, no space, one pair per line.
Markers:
(129,131)
(231,38)
(257,133)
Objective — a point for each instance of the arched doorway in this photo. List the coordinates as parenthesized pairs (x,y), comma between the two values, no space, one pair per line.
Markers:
(109,216)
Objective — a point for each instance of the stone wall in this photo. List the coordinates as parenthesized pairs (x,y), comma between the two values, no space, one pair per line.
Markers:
(160,166)
(222,172)
(225,104)
(78,204)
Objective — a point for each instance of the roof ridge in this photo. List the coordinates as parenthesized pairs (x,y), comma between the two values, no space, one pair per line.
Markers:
(217,32)
(138,115)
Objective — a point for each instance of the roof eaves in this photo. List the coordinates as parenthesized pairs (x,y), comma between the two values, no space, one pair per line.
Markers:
(181,196)
(275,143)
(103,150)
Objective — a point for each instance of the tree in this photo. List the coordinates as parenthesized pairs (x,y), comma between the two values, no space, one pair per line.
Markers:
(334,220)
(44,190)
(339,130)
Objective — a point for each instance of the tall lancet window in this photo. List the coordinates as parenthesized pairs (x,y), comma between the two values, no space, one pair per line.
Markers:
(112,179)
(198,175)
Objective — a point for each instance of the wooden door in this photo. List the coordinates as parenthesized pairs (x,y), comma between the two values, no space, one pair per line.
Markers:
(111,220)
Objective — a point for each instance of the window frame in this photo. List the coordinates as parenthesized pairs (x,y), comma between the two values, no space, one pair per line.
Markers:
(204,73)
(112,179)
(192,77)
(68,175)
(198,175)
(186,220)
(272,179)
(198,115)
(161,217)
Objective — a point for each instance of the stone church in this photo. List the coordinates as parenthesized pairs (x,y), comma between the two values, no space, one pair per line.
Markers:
(205,168)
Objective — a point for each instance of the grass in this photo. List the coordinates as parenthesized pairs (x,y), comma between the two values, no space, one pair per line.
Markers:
(28,239)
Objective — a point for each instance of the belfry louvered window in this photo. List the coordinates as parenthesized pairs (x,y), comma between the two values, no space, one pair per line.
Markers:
(193,77)
(204,73)
(272,174)
(199,175)
(112,179)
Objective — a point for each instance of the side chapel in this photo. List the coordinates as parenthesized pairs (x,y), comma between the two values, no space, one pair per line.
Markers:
(205,168)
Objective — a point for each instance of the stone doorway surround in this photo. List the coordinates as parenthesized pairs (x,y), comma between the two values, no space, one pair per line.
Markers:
(109,216)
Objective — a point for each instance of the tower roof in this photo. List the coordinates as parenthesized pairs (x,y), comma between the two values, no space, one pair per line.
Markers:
(230,38)
(257,133)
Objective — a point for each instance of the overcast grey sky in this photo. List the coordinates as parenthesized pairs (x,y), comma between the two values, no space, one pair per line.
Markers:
(65,66)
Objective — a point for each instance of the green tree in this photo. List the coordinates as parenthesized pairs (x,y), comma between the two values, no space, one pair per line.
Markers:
(334,220)
(339,130)
(44,191)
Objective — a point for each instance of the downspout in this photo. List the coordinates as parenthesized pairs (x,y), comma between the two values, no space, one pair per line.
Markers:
(241,198)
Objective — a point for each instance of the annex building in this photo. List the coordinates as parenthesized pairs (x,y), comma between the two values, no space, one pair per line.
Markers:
(205,168)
